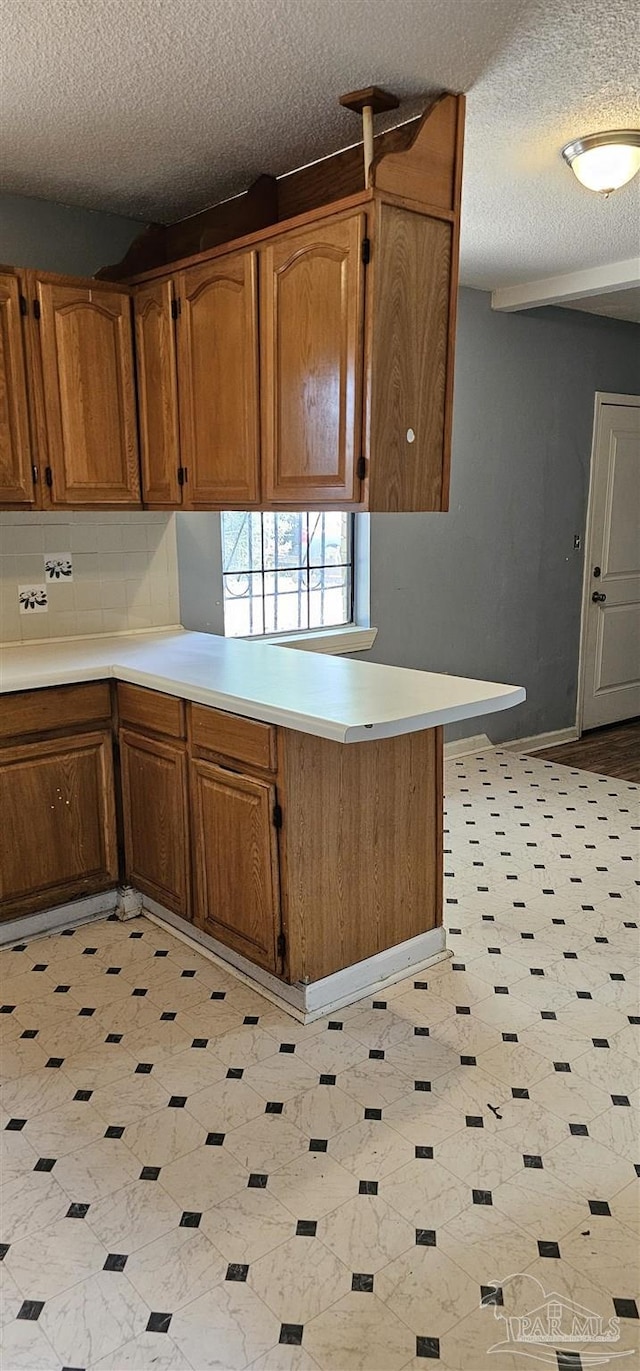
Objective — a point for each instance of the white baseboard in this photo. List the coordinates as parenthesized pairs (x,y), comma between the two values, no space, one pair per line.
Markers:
(367,977)
(276,990)
(308,1002)
(463,747)
(304,1002)
(46,921)
(466,747)
(542,740)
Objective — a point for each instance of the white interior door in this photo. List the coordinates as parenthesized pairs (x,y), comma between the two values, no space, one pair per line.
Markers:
(611,613)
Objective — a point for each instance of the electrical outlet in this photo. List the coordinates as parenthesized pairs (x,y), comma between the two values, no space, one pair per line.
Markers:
(577,542)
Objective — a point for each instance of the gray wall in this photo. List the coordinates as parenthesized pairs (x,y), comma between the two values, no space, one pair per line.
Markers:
(39,233)
(200,572)
(493,588)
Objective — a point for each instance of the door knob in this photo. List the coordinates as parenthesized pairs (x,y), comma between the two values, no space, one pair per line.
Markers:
(598,597)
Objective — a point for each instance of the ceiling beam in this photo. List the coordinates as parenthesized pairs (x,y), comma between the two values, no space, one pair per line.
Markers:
(575,285)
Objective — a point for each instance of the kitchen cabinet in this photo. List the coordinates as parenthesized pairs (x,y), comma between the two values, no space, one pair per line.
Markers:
(156,371)
(154,804)
(154,785)
(218,382)
(350,367)
(58,821)
(89,435)
(236,860)
(351,364)
(361,846)
(68,424)
(302,854)
(305,363)
(312,351)
(16,476)
(197,369)
(349,360)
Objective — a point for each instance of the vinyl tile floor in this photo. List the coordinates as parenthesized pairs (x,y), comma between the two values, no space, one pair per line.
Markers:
(191,1180)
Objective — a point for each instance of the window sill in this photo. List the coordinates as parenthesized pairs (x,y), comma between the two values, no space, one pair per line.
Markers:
(348,638)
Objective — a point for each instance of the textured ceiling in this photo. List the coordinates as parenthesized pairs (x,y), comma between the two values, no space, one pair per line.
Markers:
(156,108)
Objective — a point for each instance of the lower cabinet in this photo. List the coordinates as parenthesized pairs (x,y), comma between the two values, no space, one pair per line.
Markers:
(155,813)
(301,854)
(235,857)
(58,821)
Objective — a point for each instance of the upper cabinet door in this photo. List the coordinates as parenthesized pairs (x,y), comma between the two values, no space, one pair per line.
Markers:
(157,393)
(89,394)
(16,483)
(312,356)
(218,380)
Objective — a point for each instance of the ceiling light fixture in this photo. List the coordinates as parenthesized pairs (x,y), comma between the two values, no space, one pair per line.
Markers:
(604,161)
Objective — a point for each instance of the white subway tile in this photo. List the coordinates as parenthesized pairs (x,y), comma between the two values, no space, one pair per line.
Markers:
(86,595)
(124,571)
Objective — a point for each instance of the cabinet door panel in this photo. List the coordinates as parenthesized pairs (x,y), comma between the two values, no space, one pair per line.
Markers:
(235,859)
(16,484)
(218,381)
(311,356)
(89,400)
(154,799)
(58,822)
(157,393)
(410,362)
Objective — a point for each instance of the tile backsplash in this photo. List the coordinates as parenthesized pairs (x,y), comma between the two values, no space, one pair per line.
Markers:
(63,573)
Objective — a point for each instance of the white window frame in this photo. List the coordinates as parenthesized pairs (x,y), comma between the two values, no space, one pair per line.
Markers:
(357,636)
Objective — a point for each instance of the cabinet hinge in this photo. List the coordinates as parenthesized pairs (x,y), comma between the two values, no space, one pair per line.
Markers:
(366,250)
(36,309)
(48,476)
(34,474)
(277,816)
(281,946)
(24,308)
(361,468)
(175,309)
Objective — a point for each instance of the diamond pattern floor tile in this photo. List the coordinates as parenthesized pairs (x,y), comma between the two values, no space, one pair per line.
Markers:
(191,1179)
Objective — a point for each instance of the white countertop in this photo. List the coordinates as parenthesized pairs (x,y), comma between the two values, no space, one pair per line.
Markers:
(332,697)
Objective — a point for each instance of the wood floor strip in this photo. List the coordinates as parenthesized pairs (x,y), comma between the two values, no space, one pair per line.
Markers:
(612,751)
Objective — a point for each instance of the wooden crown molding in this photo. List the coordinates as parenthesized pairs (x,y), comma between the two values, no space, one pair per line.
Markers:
(418,160)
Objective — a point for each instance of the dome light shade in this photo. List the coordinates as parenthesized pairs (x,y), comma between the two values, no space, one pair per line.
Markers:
(605,161)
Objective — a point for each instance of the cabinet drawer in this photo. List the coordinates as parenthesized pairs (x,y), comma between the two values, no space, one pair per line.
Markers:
(151,711)
(231,735)
(46,711)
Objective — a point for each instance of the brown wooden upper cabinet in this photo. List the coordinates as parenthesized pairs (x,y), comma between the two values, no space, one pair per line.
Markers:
(301,357)
(312,298)
(68,426)
(154,307)
(218,382)
(197,364)
(16,477)
(88,392)
(339,389)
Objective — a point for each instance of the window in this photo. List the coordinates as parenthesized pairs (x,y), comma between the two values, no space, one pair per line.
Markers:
(285,572)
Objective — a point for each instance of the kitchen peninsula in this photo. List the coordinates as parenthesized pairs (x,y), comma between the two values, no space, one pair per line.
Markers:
(283,807)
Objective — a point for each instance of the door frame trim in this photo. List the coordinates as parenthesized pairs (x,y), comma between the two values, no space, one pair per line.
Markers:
(602,399)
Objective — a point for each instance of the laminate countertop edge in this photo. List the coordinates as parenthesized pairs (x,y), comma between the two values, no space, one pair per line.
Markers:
(329,696)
